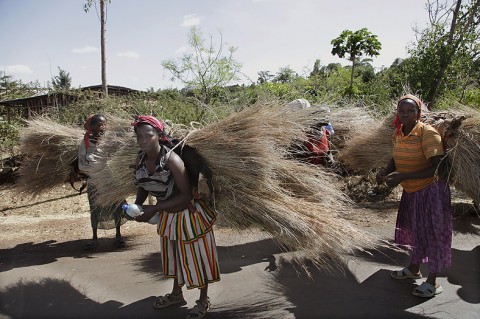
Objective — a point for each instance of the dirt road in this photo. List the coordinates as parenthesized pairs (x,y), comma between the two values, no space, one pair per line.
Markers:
(45,273)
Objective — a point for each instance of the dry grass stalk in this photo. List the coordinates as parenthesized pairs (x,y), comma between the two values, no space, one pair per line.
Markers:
(255,182)
(348,121)
(50,148)
(370,146)
(464,156)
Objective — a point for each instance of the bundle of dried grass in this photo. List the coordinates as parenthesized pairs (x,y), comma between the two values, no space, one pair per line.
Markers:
(256,182)
(371,149)
(50,148)
(370,145)
(464,156)
(347,122)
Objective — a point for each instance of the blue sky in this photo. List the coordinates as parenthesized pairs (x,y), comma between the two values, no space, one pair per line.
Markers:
(38,36)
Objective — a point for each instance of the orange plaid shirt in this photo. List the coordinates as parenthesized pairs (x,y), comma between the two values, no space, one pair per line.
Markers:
(412,153)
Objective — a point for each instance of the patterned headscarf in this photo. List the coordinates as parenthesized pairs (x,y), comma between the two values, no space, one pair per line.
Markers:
(152,121)
(396,123)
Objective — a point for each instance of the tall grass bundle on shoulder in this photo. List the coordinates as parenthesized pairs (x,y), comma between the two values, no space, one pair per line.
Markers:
(369,147)
(257,182)
(347,122)
(464,156)
(50,148)
(113,180)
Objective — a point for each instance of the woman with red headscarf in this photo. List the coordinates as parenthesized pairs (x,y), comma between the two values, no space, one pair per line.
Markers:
(188,249)
(424,220)
(89,153)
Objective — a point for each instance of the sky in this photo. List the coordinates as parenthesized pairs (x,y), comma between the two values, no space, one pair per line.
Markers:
(39,36)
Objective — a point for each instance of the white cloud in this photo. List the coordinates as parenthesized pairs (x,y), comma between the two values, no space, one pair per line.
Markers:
(87,49)
(128,54)
(190,20)
(18,69)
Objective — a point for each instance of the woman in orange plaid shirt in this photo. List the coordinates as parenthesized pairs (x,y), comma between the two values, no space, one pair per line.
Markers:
(424,220)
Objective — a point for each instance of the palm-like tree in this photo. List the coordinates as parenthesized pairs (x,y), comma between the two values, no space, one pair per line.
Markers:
(356,44)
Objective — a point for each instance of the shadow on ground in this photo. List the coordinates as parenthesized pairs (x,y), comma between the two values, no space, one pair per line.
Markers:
(31,254)
(324,295)
(464,270)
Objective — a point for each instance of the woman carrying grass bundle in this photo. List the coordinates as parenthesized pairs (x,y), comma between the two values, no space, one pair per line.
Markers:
(188,247)
(88,158)
(424,220)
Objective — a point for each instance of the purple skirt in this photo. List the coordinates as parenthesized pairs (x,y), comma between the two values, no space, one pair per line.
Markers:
(424,225)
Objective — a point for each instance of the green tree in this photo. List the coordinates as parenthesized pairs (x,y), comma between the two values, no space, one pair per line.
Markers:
(264,77)
(316,68)
(355,44)
(13,89)
(206,69)
(285,75)
(62,81)
(103,22)
(446,50)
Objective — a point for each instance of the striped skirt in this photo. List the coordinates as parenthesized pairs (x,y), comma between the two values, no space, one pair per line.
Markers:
(424,225)
(188,247)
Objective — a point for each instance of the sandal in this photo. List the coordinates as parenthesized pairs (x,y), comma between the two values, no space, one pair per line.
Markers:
(405,273)
(119,242)
(90,245)
(200,310)
(168,300)
(427,290)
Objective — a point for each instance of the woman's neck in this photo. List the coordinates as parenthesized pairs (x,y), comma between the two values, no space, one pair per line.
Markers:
(95,138)
(153,154)
(407,128)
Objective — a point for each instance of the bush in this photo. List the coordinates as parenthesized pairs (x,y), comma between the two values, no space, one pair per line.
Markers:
(9,137)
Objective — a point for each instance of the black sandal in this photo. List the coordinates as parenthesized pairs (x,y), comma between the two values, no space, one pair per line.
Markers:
(200,310)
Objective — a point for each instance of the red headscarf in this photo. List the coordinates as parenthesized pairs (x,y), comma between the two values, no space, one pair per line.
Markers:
(396,123)
(152,121)
(88,128)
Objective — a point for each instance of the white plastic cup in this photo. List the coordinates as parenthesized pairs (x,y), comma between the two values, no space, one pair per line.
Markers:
(134,210)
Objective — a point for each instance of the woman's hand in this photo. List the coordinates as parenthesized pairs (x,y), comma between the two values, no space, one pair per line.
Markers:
(148,212)
(393,179)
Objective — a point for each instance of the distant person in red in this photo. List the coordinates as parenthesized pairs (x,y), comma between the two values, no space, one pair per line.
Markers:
(318,144)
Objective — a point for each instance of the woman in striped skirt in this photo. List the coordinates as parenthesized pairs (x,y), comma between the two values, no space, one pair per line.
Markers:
(424,220)
(188,249)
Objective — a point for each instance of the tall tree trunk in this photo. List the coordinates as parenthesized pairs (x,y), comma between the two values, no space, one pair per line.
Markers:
(102,48)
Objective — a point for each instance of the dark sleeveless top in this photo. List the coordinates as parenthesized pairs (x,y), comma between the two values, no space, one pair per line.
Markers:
(160,184)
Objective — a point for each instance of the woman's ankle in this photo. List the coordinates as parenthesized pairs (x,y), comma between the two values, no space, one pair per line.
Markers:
(414,269)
